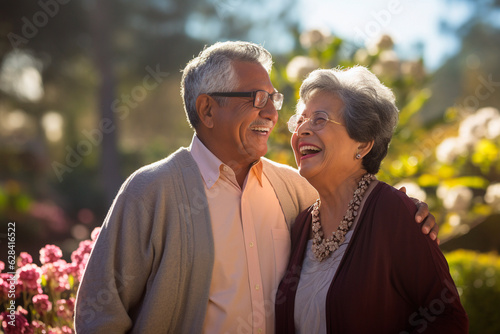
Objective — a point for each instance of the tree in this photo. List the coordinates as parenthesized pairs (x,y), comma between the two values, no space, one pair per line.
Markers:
(108,102)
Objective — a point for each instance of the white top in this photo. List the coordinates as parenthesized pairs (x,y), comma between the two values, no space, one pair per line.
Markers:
(315,280)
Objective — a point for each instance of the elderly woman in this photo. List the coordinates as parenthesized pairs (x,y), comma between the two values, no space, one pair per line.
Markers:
(357,263)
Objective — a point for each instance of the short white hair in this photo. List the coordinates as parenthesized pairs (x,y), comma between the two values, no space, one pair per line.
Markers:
(212,71)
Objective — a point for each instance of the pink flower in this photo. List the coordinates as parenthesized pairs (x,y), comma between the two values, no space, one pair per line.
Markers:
(38,326)
(95,233)
(22,311)
(81,256)
(62,330)
(50,253)
(73,269)
(56,275)
(42,304)
(24,259)
(4,285)
(21,325)
(67,330)
(65,308)
(2,264)
(85,247)
(20,288)
(29,276)
(71,302)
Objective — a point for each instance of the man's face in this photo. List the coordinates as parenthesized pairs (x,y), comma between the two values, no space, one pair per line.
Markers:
(241,129)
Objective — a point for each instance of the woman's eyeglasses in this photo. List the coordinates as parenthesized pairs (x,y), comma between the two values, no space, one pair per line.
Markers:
(317,121)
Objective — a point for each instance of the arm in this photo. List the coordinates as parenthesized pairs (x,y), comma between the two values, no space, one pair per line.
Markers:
(429,225)
(422,275)
(113,281)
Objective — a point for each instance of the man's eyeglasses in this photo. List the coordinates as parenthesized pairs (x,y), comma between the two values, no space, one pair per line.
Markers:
(317,121)
(260,97)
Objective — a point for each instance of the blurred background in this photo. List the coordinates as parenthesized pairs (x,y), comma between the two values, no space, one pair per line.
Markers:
(89,92)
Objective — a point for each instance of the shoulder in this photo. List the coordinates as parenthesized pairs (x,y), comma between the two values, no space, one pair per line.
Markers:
(391,212)
(284,172)
(389,198)
(278,167)
(301,220)
(301,226)
(159,174)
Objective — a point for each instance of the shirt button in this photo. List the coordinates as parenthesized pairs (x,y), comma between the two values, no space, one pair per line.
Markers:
(257,287)
(251,244)
(259,330)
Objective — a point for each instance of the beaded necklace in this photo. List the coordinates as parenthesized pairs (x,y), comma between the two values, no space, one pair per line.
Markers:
(322,248)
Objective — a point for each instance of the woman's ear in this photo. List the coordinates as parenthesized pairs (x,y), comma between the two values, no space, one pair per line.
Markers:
(204,108)
(365,148)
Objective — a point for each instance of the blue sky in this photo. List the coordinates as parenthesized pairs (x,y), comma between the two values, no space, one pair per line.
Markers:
(407,21)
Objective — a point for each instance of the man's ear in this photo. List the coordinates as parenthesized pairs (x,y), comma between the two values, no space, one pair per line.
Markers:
(365,148)
(204,108)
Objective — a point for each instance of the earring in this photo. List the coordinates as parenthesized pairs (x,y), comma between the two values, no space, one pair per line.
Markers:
(358,156)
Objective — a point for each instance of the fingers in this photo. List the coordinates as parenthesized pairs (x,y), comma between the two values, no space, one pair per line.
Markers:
(433,227)
(429,225)
(422,212)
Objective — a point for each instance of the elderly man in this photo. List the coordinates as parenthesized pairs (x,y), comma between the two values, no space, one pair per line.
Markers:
(198,242)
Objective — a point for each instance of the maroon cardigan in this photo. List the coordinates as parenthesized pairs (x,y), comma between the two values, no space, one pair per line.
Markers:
(392,277)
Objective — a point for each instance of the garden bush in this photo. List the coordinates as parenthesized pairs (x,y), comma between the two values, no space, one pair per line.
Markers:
(477,277)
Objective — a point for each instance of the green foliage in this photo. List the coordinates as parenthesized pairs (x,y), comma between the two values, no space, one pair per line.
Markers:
(485,154)
(451,173)
(477,277)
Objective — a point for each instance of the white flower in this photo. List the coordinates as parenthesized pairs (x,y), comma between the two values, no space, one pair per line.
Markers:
(20,76)
(361,56)
(387,65)
(456,199)
(52,123)
(454,220)
(384,42)
(299,67)
(468,141)
(319,38)
(18,123)
(476,125)
(450,149)
(412,190)
(414,69)
(15,120)
(493,128)
(492,196)
(488,113)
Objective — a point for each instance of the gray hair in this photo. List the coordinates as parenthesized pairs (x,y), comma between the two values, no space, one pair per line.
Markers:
(369,111)
(212,71)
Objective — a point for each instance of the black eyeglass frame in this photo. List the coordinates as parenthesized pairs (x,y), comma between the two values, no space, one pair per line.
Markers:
(253,95)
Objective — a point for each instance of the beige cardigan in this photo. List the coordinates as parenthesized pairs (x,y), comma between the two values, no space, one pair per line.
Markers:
(150,269)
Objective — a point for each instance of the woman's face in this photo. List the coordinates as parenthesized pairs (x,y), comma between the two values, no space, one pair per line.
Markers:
(327,153)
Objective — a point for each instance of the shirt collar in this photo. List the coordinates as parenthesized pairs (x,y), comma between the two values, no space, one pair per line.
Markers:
(210,166)
(257,170)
